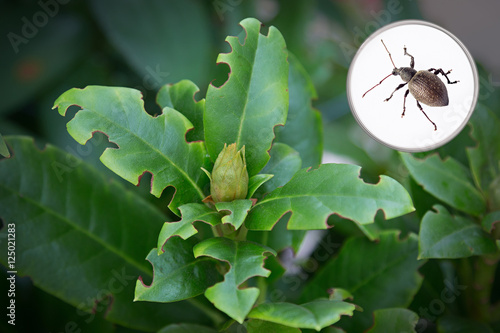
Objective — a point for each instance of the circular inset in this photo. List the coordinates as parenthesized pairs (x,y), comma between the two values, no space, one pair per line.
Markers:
(372,79)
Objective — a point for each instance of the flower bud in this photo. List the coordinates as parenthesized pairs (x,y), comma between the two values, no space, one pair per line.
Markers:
(229,180)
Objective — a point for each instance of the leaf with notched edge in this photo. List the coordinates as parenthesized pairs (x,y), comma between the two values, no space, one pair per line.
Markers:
(178,276)
(315,315)
(246,259)
(145,143)
(184,228)
(447,180)
(254,99)
(181,97)
(313,195)
(234,211)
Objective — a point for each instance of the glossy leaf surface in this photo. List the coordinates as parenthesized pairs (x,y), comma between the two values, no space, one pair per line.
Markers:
(303,130)
(184,228)
(447,180)
(315,315)
(313,195)
(284,163)
(445,236)
(145,143)
(181,97)
(176,277)
(253,100)
(246,259)
(234,211)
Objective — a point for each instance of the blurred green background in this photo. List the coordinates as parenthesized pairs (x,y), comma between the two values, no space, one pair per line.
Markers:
(50,46)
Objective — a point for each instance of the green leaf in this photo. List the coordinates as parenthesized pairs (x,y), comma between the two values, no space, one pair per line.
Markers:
(303,130)
(379,275)
(489,221)
(253,100)
(186,328)
(339,294)
(4,151)
(455,324)
(313,195)
(236,211)
(445,236)
(178,276)
(77,246)
(279,238)
(145,143)
(484,158)
(284,163)
(257,181)
(394,320)
(315,315)
(259,326)
(447,180)
(180,96)
(184,228)
(157,40)
(245,260)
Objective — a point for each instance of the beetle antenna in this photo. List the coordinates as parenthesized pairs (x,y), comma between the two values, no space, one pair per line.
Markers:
(388,53)
(376,85)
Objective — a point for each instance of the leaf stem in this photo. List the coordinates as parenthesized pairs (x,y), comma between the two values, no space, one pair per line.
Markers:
(479,274)
(215,315)
(486,267)
(217,230)
(262,285)
(241,234)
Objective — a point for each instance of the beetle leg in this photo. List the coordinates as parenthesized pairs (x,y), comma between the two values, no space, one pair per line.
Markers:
(404,102)
(398,87)
(412,62)
(440,71)
(420,107)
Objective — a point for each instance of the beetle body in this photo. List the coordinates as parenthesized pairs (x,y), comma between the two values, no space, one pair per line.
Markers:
(427,88)
(424,85)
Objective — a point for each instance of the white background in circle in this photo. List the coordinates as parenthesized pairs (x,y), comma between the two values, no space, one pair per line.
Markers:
(431,48)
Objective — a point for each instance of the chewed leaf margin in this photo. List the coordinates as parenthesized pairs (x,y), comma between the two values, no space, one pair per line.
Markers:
(141,139)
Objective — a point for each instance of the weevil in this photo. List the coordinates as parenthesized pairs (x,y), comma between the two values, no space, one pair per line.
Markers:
(424,85)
